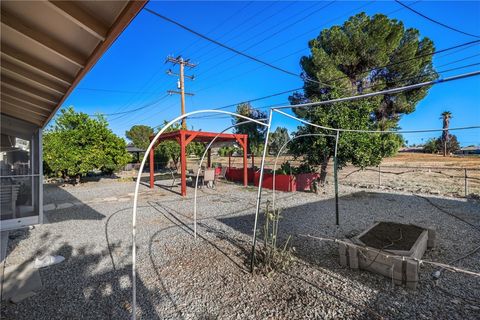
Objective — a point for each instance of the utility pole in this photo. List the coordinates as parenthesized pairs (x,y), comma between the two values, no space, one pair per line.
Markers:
(181,81)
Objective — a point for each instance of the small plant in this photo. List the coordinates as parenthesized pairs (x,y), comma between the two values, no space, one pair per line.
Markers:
(270,256)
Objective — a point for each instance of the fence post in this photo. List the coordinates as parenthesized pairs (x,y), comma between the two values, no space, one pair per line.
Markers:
(379,176)
(335,177)
(466,183)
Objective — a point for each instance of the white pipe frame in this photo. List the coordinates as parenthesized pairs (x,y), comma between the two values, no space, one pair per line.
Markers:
(259,191)
(137,186)
(313,104)
(351,98)
(200,167)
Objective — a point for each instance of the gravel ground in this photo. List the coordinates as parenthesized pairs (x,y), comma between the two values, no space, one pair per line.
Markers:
(207,278)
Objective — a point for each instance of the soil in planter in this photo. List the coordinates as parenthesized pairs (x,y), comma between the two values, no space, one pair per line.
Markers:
(392,236)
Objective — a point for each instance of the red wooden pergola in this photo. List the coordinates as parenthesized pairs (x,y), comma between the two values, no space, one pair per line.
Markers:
(184,137)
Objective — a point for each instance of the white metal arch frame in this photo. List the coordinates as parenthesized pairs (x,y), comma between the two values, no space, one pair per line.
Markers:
(137,186)
(338,130)
(200,166)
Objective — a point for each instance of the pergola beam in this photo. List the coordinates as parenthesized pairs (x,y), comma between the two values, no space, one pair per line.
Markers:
(42,39)
(28,61)
(30,77)
(184,137)
(80,17)
(191,137)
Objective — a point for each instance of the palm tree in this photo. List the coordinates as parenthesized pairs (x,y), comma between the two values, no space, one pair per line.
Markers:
(446,116)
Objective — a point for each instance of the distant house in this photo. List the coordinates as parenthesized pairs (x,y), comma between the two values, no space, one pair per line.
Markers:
(470,150)
(412,149)
(135,152)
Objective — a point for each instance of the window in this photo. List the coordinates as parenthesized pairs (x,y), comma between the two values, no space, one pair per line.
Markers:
(20,174)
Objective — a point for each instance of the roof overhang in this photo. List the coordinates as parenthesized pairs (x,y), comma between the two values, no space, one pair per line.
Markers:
(47,47)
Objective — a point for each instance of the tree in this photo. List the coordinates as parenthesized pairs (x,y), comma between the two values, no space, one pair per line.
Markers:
(225,151)
(365,54)
(277,139)
(140,135)
(78,144)
(437,145)
(170,150)
(446,116)
(255,131)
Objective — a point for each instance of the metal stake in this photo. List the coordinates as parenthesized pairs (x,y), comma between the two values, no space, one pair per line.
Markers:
(335,177)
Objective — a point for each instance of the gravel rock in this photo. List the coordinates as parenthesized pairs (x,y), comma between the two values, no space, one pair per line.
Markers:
(180,277)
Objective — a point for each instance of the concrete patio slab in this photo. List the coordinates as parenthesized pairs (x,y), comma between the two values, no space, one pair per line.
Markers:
(20,282)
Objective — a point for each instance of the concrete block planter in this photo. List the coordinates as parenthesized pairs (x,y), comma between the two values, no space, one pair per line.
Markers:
(384,248)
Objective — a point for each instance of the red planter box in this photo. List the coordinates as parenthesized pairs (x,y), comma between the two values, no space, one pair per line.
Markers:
(283,182)
(236,174)
(304,180)
(218,171)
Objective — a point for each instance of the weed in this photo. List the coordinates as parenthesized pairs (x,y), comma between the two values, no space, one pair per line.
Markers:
(272,257)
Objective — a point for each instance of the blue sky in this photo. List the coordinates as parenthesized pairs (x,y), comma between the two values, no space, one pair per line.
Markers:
(132,74)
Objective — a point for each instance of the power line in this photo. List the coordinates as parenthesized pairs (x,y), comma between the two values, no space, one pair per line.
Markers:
(112,90)
(219,25)
(436,21)
(283,44)
(387,91)
(304,33)
(310,13)
(435,52)
(413,58)
(222,35)
(228,47)
(367,87)
(296,89)
(132,110)
(242,32)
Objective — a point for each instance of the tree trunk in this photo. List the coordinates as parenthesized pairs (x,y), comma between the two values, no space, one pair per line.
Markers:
(324,170)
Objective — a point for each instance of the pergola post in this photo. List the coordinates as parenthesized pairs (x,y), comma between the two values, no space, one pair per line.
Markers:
(229,160)
(183,163)
(253,161)
(152,169)
(245,169)
(209,158)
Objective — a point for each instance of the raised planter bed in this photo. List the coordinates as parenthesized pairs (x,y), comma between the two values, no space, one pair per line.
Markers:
(283,182)
(304,180)
(236,174)
(385,246)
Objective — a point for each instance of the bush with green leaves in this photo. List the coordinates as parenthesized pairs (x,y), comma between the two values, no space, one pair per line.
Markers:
(77,144)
